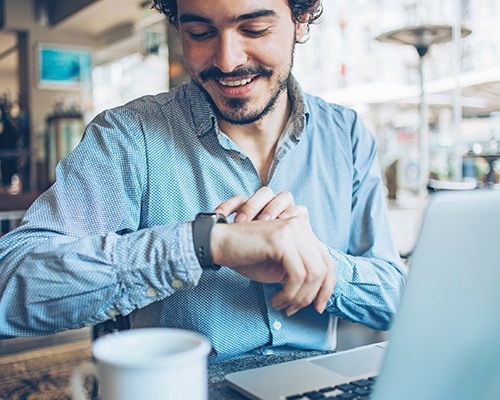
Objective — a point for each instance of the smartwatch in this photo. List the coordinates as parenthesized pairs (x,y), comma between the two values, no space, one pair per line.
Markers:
(202,228)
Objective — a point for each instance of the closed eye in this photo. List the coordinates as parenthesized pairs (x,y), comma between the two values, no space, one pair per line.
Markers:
(255,33)
(204,35)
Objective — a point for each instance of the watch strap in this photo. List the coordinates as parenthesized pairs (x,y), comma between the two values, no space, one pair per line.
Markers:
(202,229)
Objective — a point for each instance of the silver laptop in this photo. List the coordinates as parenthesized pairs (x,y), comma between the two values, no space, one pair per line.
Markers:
(445,340)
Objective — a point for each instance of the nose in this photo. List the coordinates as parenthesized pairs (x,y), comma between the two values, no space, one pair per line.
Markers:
(229,52)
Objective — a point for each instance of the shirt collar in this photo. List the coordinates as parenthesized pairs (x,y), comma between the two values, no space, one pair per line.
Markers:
(300,111)
(205,119)
(201,110)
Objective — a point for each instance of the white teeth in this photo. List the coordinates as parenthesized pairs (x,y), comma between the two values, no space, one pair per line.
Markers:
(235,83)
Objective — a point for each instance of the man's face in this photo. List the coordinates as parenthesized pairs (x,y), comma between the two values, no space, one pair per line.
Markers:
(239,52)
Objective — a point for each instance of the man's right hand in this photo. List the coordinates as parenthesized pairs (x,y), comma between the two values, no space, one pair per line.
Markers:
(282,250)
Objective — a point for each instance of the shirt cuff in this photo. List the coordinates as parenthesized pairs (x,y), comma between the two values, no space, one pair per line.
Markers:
(155,263)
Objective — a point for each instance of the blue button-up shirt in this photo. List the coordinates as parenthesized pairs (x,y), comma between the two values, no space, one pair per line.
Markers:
(112,235)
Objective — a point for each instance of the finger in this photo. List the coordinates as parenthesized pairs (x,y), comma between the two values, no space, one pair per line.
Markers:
(294,211)
(326,290)
(254,205)
(280,203)
(316,273)
(230,206)
(304,276)
(317,266)
(293,281)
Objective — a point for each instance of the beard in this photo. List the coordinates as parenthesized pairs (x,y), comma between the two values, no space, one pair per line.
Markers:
(238,111)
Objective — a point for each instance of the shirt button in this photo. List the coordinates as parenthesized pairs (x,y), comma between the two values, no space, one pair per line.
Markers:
(151,292)
(113,313)
(242,156)
(176,284)
(277,325)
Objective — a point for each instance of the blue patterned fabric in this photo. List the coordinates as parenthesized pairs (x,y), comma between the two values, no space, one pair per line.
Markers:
(112,235)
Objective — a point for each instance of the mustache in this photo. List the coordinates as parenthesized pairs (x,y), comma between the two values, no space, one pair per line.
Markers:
(242,72)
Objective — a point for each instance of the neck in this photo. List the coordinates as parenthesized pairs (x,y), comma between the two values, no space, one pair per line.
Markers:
(259,139)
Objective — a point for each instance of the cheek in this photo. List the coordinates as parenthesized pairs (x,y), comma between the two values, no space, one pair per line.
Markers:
(273,53)
(196,57)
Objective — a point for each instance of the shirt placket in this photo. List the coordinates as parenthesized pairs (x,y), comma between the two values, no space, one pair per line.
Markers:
(276,319)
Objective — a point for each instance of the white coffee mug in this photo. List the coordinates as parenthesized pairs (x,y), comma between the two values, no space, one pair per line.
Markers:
(147,364)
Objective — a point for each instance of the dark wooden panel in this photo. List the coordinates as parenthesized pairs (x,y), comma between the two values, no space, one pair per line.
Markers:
(2,14)
(58,10)
(16,202)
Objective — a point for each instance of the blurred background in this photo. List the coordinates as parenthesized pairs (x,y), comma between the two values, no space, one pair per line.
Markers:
(381,80)
(436,116)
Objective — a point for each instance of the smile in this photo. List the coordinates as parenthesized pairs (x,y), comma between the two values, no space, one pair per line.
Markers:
(232,83)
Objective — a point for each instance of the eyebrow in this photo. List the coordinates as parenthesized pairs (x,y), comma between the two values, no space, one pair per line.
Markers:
(189,17)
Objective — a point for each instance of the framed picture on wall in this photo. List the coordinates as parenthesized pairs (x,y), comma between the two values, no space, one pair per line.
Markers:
(60,67)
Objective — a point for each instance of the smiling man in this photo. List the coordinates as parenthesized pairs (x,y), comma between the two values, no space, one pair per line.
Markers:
(135,223)
(242,61)
(241,57)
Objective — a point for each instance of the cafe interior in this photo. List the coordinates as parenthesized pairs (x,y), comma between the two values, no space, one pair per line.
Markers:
(423,75)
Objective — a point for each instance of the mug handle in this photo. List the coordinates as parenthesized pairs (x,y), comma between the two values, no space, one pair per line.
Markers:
(78,380)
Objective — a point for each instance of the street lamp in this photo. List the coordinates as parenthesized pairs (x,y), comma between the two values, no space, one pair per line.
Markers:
(421,38)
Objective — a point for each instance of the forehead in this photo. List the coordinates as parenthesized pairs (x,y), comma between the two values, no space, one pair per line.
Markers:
(231,10)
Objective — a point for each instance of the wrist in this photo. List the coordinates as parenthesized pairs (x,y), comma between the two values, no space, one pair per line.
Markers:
(216,243)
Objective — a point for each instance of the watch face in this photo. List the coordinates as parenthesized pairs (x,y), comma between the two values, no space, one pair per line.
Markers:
(217,217)
(207,215)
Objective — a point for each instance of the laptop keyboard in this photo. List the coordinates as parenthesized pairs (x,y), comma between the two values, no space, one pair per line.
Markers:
(356,390)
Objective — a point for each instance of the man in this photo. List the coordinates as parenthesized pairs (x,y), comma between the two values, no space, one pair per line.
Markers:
(114,234)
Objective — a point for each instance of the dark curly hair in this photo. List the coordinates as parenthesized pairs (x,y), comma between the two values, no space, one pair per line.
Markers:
(298,8)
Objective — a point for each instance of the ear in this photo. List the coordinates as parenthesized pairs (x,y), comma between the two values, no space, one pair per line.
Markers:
(302,26)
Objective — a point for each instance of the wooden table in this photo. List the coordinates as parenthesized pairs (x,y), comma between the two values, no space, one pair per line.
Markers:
(41,374)
(44,373)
